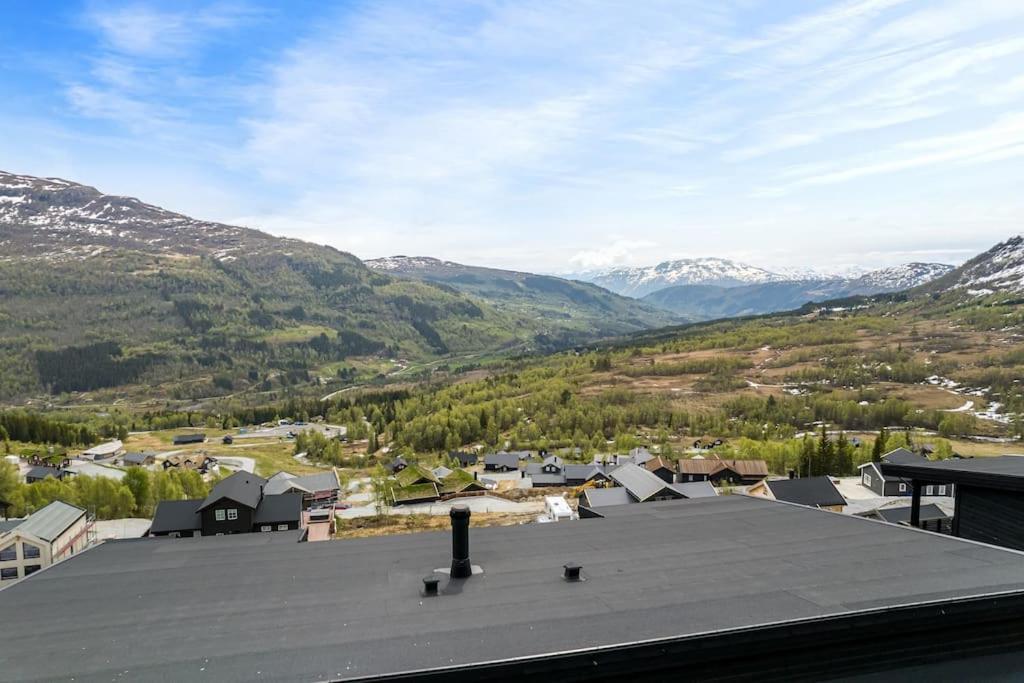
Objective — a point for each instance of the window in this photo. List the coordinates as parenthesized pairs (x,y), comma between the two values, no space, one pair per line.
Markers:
(8,574)
(266,527)
(282,527)
(31,569)
(9,553)
(29,552)
(942,490)
(867,479)
(232,514)
(903,488)
(928,490)
(218,515)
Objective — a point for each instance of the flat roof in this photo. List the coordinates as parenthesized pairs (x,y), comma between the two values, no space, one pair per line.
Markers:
(1004,472)
(259,606)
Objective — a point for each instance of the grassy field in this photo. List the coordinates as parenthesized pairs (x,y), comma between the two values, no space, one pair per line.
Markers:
(271,455)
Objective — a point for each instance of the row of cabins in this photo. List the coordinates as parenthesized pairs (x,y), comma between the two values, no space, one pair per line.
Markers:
(414,483)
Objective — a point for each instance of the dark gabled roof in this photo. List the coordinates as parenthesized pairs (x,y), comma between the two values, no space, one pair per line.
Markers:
(901,515)
(901,456)
(502,459)
(1002,472)
(659,463)
(584,472)
(813,491)
(244,488)
(189,438)
(137,458)
(176,515)
(42,472)
(261,606)
(281,507)
(463,457)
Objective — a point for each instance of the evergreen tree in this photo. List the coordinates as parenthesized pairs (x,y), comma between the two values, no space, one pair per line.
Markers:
(807,457)
(371,444)
(844,456)
(826,454)
(878,450)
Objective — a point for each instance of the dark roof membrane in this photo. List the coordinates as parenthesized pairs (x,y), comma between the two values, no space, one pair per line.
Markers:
(245,607)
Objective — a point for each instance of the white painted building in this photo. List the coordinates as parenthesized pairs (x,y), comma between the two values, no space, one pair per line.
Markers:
(48,535)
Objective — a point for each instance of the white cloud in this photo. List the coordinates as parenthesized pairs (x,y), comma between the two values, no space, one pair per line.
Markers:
(618,252)
(140,29)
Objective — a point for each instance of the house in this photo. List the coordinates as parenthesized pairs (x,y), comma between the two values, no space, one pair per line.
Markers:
(236,504)
(871,476)
(502,461)
(191,461)
(92,469)
(41,472)
(817,492)
(988,495)
(577,475)
(103,451)
(719,471)
(185,439)
(548,472)
(642,485)
(50,534)
(661,468)
(414,484)
(397,465)
(787,579)
(639,456)
(932,517)
(138,459)
(460,482)
(317,490)
(464,458)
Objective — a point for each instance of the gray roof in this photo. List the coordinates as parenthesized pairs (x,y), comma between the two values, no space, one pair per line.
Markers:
(50,522)
(584,472)
(176,515)
(42,472)
(283,482)
(1004,466)
(813,491)
(242,487)
(500,459)
(615,495)
(901,515)
(902,456)
(695,489)
(8,524)
(640,483)
(137,458)
(283,507)
(261,606)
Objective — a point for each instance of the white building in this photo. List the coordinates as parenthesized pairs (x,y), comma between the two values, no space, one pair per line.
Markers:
(104,450)
(557,508)
(48,535)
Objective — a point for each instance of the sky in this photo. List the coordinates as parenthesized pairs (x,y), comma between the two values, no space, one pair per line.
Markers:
(544,136)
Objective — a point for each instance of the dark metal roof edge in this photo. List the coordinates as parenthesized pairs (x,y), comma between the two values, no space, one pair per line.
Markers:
(842,621)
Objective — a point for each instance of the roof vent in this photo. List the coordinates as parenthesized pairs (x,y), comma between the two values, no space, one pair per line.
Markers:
(571,571)
(430,584)
(461,566)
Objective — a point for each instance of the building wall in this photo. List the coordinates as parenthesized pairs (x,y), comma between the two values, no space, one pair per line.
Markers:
(275,526)
(211,526)
(73,540)
(991,516)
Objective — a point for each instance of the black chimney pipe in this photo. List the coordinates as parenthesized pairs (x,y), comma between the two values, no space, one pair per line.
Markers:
(461,567)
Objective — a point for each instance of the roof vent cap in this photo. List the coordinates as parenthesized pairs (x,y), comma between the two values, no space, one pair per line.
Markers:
(571,571)
(430,584)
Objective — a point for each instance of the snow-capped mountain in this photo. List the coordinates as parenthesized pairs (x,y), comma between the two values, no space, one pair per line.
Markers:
(898,278)
(56,219)
(1000,269)
(720,272)
(408,264)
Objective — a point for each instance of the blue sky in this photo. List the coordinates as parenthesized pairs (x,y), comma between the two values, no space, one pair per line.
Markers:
(548,136)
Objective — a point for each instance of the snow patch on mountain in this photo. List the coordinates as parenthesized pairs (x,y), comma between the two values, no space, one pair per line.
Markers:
(1000,269)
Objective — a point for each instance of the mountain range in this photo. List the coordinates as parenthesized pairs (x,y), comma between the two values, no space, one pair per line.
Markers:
(702,301)
(105,291)
(108,292)
(640,281)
